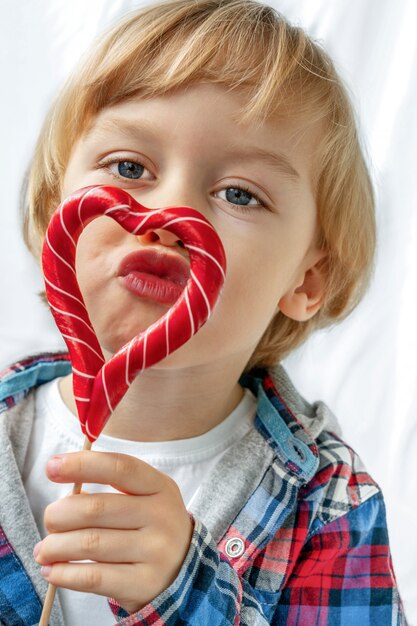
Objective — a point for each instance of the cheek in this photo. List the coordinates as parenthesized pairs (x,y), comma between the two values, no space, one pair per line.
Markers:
(248,301)
(260,271)
(91,282)
(95,252)
(98,242)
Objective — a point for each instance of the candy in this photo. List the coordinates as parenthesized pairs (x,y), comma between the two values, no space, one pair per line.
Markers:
(98,385)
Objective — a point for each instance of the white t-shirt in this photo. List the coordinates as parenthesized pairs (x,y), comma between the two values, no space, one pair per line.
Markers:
(188,461)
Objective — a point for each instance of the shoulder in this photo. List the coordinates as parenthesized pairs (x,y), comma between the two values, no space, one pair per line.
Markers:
(340,484)
(306,438)
(334,510)
(17,380)
(17,400)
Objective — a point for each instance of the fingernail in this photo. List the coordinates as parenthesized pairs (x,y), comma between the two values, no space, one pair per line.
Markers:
(36,549)
(46,570)
(54,465)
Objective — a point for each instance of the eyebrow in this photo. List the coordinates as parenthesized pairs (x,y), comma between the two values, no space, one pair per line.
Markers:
(275,161)
(143,130)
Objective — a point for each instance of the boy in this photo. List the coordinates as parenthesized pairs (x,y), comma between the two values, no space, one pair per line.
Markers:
(216,491)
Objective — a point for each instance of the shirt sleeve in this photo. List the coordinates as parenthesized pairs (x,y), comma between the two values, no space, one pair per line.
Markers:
(342,575)
(207,588)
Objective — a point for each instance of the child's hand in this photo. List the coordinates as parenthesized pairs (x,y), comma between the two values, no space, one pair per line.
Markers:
(138,538)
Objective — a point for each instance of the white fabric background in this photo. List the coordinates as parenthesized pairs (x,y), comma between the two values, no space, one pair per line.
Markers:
(365,368)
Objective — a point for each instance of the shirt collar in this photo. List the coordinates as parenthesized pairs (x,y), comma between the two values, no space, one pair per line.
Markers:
(275,420)
(284,432)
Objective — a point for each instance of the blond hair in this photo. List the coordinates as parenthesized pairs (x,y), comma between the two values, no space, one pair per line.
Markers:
(241,44)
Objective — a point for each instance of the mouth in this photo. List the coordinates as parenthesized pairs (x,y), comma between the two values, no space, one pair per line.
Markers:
(156,275)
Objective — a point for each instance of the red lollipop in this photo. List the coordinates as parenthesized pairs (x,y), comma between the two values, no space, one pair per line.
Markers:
(98,385)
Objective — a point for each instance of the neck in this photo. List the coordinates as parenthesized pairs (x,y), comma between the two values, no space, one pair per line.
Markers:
(169,404)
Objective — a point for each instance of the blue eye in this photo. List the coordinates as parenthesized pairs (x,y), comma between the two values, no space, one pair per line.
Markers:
(130,169)
(241,196)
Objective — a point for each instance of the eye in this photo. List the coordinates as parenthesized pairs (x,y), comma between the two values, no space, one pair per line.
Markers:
(129,169)
(241,197)
(125,168)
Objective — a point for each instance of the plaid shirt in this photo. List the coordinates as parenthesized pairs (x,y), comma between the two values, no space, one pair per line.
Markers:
(289,528)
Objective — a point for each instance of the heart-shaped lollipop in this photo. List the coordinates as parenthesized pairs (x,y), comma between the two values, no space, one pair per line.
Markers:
(98,385)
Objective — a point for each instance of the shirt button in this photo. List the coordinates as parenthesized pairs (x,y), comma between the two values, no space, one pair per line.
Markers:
(298,450)
(234,547)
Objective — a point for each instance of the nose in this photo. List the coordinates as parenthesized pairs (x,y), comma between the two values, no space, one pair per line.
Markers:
(178,189)
(161,236)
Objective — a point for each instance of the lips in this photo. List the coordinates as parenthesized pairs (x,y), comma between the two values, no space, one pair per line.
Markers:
(156,275)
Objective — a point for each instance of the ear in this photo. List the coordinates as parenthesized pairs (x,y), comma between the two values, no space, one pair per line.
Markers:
(302,301)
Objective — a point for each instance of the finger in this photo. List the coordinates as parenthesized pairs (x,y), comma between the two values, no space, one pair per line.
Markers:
(121,471)
(99,510)
(95,544)
(103,579)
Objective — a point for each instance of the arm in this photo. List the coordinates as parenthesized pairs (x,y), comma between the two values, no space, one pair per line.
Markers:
(342,574)
(206,591)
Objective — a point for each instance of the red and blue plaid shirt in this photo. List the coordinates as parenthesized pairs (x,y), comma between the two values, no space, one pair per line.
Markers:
(297,536)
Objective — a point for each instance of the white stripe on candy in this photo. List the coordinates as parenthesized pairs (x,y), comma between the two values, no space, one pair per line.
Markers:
(207,254)
(61,217)
(106,393)
(82,373)
(187,299)
(64,292)
(84,343)
(145,341)
(89,433)
(93,190)
(57,255)
(188,219)
(148,217)
(121,207)
(77,317)
(166,332)
(202,291)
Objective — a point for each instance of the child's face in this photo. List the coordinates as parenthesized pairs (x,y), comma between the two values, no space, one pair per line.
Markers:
(186,149)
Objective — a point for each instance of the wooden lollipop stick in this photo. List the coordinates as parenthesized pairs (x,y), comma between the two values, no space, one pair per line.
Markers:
(50,594)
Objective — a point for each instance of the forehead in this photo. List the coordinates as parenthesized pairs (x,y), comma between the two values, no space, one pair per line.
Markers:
(212,115)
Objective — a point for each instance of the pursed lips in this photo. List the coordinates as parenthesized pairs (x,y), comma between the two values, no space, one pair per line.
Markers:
(154,275)
(161,264)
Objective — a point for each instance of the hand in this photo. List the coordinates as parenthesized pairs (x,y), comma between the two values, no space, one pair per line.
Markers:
(138,538)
